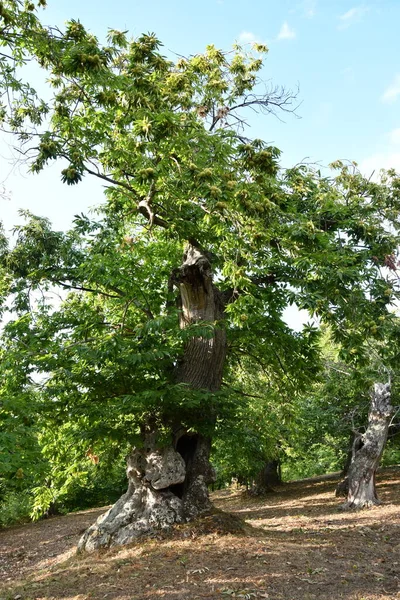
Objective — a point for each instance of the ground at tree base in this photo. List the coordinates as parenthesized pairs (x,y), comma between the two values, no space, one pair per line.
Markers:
(294,545)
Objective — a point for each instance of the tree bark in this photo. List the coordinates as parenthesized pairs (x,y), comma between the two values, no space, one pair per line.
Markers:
(267,478)
(169,484)
(356,443)
(362,470)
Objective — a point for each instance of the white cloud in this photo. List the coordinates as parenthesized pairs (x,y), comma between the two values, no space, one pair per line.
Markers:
(376,162)
(392,92)
(352,16)
(248,37)
(309,7)
(286,33)
(394,136)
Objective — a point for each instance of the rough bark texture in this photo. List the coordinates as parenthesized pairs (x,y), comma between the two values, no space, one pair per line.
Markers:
(149,502)
(202,364)
(361,475)
(268,478)
(170,485)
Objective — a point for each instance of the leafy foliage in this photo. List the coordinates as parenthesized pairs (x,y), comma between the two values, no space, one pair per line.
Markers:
(166,137)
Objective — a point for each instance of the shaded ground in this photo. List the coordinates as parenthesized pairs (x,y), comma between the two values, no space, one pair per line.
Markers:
(295,545)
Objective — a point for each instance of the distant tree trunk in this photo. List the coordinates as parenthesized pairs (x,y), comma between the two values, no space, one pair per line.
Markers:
(342,489)
(350,453)
(361,475)
(169,484)
(268,478)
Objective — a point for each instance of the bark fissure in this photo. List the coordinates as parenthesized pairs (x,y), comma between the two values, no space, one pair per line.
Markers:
(186,446)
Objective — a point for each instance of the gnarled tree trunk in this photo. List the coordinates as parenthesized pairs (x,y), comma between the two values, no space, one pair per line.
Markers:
(367,454)
(169,484)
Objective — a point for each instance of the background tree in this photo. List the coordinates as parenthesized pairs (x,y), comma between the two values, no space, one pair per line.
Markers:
(332,417)
(368,446)
(267,382)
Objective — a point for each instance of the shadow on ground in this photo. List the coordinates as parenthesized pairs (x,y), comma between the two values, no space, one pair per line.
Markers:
(300,547)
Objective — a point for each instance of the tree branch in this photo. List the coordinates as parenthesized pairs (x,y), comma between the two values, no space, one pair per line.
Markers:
(107,178)
(86,289)
(145,209)
(241,392)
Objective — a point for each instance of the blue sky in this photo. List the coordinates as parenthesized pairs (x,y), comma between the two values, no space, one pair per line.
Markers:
(343,55)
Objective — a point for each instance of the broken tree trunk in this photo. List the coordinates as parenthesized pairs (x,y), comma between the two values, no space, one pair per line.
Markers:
(362,470)
(169,484)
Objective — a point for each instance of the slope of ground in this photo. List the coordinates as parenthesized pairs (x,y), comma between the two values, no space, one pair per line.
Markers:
(296,545)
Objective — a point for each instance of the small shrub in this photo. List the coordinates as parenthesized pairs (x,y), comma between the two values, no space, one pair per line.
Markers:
(15,507)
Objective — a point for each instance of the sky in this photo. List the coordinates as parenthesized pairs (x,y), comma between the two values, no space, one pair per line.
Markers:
(342,55)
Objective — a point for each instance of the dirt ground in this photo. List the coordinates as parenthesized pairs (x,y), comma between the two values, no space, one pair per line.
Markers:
(295,545)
